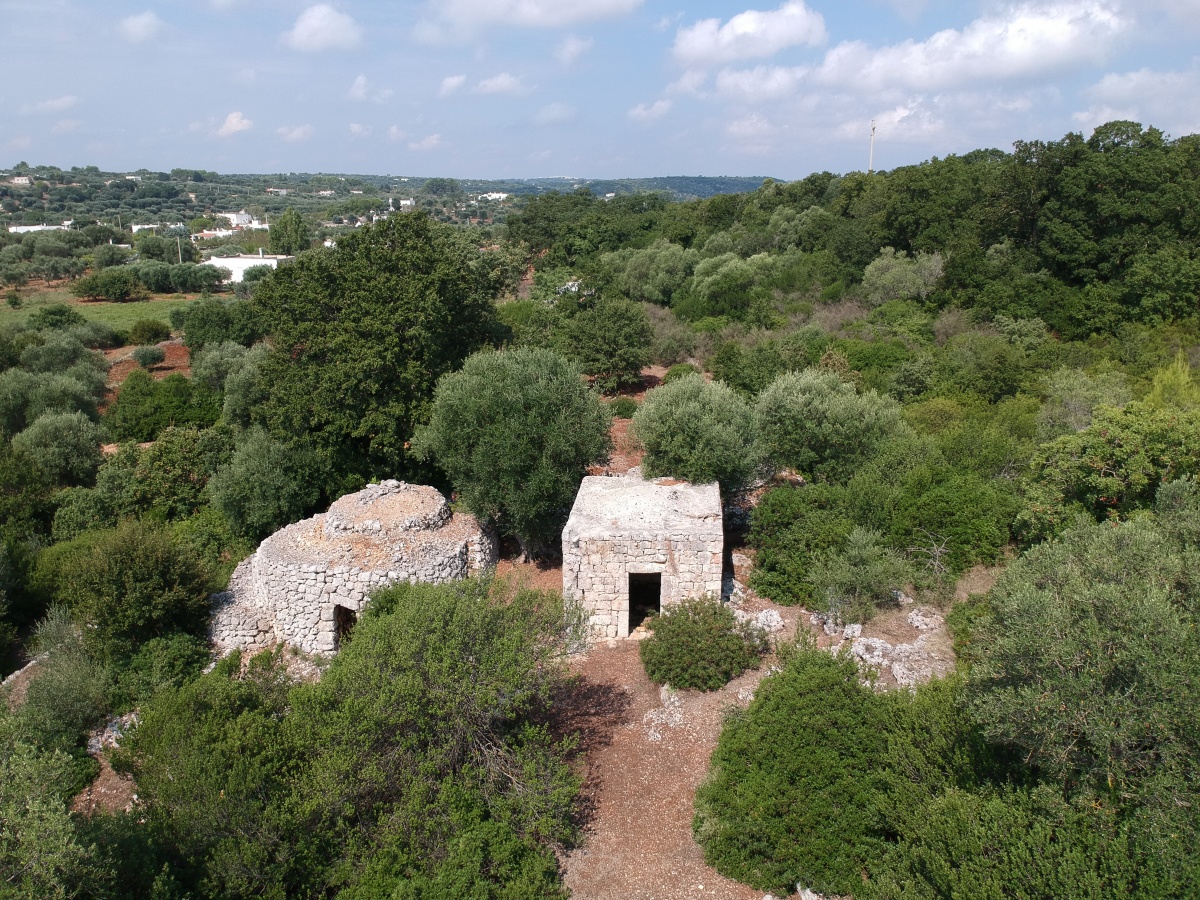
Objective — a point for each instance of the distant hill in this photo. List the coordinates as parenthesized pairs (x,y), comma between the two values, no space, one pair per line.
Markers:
(678,187)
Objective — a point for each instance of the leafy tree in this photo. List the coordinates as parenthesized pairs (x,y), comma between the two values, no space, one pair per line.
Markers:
(212,320)
(144,407)
(897,276)
(149,357)
(119,284)
(128,584)
(107,255)
(289,235)
(1073,396)
(698,431)
(611,340)
(516,432)
(55,317)
(66,446)
(813,421)
(361,334)
(266,485)
(853,580)
(1085,663)
(214,363)
(148,331)
(791,528)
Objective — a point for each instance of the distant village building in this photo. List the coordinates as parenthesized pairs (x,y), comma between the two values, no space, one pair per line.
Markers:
(237,265)
(137,228)
(495,195)
(21,179)
(408,203)
(26,229)
(242,218)
(279,192)
(633,547)
(326,193)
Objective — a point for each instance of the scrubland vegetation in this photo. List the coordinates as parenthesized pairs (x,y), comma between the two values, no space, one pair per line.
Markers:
(980,359)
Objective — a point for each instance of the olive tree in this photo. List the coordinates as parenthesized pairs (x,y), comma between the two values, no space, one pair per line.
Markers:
(516,432)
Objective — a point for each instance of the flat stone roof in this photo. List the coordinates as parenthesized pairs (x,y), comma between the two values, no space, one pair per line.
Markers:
(631,506)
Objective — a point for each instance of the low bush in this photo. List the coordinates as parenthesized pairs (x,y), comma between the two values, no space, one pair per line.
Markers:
(144,407)
(148,331)
(161,663)
(678,370)
(65,445)
(699,644)
(623,407)
(266,485)
(118,284)
(148,357)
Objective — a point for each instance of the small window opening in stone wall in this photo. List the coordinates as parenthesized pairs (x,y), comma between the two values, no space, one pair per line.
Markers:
(645,598)
(344,620)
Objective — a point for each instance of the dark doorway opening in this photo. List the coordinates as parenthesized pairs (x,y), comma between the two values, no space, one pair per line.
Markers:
(645,598)
(344,620)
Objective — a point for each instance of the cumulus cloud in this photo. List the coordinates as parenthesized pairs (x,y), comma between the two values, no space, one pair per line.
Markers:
(395,133)
(359,131)
(429,142)
(54,104)
(234,122)
(751,34)
(450,84)
(471,15)
(554,114)
(361,91)
(762,84)
(504,83)
(1024,42)
(649,112)
(321,27)
(144,26)
(1169,100)
(571,48)
(293,134)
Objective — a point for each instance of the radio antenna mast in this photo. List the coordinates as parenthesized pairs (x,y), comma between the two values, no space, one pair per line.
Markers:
(871,159)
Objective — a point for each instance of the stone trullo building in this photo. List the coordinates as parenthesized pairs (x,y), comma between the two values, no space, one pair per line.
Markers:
(307,583)
(633,546)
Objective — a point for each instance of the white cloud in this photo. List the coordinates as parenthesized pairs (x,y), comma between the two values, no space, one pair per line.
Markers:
(1025,42)
(571,49)
(144,26)
(359,131)
(294,134)
(234,122)
(65,126)
(450,84)
(321,27)
(554,114)
(690,82)
(54,104)
(471,15)
(754,125)
(751,34)
(430,142)
(762,84)
(649,112)
(361,91)
(504,83)
(395,133)
(1168,100)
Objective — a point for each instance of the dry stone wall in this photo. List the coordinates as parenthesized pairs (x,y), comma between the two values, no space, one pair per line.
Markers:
(289,591)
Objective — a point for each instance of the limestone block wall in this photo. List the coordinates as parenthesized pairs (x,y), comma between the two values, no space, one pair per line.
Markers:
(596,574)
(288,591)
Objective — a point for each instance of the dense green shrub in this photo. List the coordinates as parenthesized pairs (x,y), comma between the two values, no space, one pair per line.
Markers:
(699,644)
(56,352)
(55,317)
(148,331)
(516,432)
(791,528)
(119,284)
(66,446)
(81,509)
(149,357)
(211,320)
(611,341)
(161,663)
(214,363)
(814,421)
(128,585)
(144,407)
(698,431)
(266,485)
(244,387)
(852,580)
(791,797)
(623,407)
(677,371)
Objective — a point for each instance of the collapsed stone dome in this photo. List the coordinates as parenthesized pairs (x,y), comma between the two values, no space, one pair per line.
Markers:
(307,582)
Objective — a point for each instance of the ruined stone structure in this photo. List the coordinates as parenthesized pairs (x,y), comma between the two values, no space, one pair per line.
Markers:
(307,583)
(633,546)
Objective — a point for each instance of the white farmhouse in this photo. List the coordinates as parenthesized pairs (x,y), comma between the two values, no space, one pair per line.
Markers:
(237,265)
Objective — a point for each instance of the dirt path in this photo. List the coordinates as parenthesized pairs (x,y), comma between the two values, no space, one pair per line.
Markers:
(647,751)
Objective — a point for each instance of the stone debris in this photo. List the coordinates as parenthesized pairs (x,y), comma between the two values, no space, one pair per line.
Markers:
(108,736)
(290,590)
(910,663)
(769,620)
(669,715)
(626,525)
(850,632)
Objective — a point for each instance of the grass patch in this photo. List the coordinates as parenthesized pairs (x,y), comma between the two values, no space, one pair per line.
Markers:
(117,315)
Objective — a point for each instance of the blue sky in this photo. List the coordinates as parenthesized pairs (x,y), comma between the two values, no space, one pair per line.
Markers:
(583,88)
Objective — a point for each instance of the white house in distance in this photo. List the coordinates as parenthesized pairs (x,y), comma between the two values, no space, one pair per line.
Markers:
(237,265)
(26,229)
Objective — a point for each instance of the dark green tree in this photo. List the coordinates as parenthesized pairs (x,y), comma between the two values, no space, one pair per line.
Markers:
(289,235)
(360,336)
(611,340)
(516,432)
